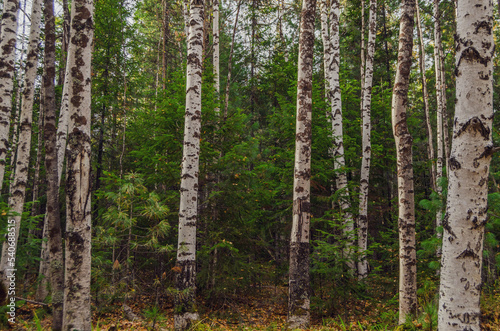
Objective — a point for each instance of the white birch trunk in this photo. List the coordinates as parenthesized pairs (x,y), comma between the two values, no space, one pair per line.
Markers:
(185,9)
(472,148)
(216,58)
(425,96)
(406,218)
(299,288)
(185,307)
(62,125)
(76,314)
(440,107)
(366,142)
(18,186)
(7,68)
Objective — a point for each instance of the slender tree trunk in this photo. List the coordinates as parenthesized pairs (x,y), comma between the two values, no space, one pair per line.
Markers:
(7,68)
(185,308)
(366,143)
(363,59)
(472,148)
(15,135)
(299,288)
(18,186)
(56,271)
(62,125)
(64,43)
(440,108)
(42,290)
(230,61)
(185,8)
(386,46)
(78,214)
(425,96)
(406,220)
(216,57)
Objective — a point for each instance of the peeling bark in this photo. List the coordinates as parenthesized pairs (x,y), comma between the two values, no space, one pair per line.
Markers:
(471,152)
(7,68)
(185,303)
(402,136)
(18,186)
(299,288)
(76,313)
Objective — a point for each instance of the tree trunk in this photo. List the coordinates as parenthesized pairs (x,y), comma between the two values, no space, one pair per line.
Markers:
(230,63)
(78,215)
(440,108)
(64,42)
(7,68)
(216,57)
(425,96)
(366,143)
(299,288)
(472,148)
(185,8)
(52,220)
(18,186)
(62,125)
(185,307)
(15,120)
(406,220)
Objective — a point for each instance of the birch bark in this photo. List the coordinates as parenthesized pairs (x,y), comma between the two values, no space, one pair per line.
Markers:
(76,314)
(7,67)
(406,218)
(366,95)
(299,288)
(18,186)
(471,152)
(425,96)
(440,108)
(185,308)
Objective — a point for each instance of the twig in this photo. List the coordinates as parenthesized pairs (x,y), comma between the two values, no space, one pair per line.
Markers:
(31,301)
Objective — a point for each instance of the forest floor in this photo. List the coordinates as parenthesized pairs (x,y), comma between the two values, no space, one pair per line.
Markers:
(265,308)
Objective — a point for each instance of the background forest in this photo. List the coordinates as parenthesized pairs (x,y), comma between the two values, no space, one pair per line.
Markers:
(246,168)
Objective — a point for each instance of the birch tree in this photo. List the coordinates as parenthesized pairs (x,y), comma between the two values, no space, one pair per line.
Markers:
(366,96)
(299,288)
(185,308)
(472,148)
(76,313)
(52,220)
(404,140)
(425,96)
(7,68)
(18,186)
(440,108)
